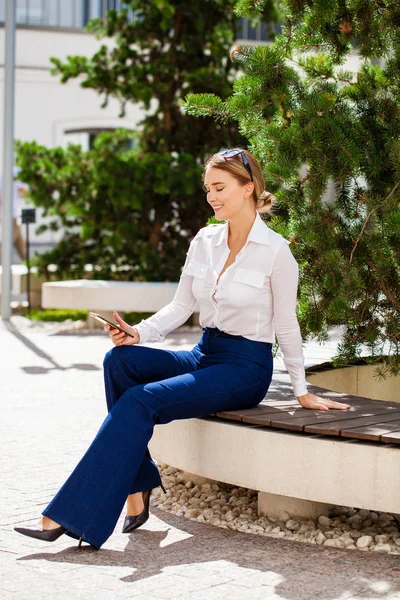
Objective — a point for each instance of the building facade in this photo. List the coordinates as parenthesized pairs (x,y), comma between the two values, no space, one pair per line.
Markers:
(52,113)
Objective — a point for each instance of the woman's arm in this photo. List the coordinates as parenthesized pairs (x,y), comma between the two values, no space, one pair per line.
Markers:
(174,314)
(284,281)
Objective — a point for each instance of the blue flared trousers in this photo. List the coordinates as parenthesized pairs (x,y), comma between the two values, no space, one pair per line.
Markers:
(147,387)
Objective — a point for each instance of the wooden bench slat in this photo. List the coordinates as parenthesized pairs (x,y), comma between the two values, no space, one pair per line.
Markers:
(320,422)
(393,437)
(274,415)
(336,427)
(261,409)
(348,399)
(299,418)
(367,419)
(372,432)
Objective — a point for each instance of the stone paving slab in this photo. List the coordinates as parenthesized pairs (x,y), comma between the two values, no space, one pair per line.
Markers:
(52,403)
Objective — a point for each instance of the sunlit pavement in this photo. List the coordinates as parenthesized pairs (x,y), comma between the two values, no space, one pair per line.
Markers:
(52,404)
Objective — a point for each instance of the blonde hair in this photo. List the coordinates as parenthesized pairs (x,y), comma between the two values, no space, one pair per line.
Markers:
(234,165)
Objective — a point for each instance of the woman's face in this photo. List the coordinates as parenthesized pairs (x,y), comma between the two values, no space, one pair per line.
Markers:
(226,195)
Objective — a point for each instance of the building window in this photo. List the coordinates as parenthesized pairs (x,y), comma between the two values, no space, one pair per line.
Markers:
(86,137)
(76,14)
(60,13)
(254,34)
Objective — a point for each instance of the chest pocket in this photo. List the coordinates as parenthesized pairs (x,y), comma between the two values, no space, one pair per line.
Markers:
(196,269)
(246,288)
(249,277)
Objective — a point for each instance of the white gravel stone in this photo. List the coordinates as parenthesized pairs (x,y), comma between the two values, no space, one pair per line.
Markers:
(374,517)
(276,530)
(354,520)
(382,539)
(284,516)
(324,521)
(320,538)
(382,548)
(256,528)
(364,542)
(347,543)
(191,513)
(385,517)
(236,508)
(333,543)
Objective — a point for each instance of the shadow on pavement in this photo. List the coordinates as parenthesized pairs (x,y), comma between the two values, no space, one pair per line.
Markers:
(294,570)
(36,370)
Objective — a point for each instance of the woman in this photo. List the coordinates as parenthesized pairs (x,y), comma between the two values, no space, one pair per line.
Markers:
(244,278)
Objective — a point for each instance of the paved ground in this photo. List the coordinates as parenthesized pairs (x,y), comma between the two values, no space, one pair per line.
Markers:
(51,406)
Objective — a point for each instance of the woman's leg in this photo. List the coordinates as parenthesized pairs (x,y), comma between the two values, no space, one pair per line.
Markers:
(128,366)
(91,500)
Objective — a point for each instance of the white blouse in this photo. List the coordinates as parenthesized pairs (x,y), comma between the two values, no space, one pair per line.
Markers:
(255,297)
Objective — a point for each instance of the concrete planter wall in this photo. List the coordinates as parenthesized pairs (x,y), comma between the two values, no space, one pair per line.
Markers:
(357,381)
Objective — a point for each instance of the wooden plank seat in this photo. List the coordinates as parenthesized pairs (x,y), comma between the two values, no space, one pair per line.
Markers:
(299,460)
(372,420)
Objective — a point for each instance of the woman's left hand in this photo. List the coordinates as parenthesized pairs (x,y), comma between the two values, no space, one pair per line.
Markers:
(317,403)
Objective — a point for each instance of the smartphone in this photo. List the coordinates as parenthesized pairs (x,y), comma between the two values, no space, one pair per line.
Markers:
(107,322)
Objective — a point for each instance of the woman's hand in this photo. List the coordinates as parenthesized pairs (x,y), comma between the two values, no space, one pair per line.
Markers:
(317,403)
(119,338)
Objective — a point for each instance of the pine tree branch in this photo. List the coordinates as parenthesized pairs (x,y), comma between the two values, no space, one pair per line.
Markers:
(388,293)
(368,218)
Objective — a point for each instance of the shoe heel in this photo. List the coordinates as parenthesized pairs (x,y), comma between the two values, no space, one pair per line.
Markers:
(91,545)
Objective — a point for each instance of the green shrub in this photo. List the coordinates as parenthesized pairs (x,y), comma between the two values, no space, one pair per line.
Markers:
(60,314)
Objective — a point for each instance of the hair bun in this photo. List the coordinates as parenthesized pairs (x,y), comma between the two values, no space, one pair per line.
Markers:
(265,201)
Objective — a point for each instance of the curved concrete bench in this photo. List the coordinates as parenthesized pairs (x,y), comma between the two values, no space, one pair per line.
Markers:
(297,471)
(302,469)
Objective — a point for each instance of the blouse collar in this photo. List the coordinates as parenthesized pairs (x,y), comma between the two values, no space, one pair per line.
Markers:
(258,233)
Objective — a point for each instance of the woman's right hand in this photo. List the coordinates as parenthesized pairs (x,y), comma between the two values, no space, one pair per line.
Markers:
(119,338)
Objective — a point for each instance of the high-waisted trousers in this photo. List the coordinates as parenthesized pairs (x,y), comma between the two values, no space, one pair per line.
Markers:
(147,387)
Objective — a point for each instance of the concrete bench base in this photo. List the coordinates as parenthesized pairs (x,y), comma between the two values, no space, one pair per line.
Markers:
(299,473)
(271,505)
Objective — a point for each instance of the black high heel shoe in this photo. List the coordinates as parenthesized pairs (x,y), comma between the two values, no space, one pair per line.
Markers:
(47,535)
(132,523)
(50,535)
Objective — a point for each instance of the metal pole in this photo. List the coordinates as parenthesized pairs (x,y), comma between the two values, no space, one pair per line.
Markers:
(28,275)
(8,159)
(85,12)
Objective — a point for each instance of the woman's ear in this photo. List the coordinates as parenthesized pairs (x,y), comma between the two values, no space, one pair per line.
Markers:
(249,188)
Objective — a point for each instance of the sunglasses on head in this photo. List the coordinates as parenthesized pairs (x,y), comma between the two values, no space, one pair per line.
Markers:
(227,154)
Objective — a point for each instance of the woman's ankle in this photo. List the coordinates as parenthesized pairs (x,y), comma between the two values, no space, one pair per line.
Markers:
(135,504)
(48,523)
